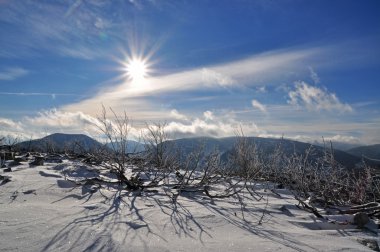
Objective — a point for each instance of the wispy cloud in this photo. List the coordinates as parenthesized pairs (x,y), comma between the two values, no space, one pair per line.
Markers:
(314,76)
(6,123)
(78,29)
(48,26)
(73,7)
(79,52)
(316,99)
(53,95)
(247,72)
(13,73)
(211,77)
(256,104)
(208,115)
(261,89)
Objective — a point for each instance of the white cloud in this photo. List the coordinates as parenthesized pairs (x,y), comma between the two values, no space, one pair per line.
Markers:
(316,99)
(219,123)
(9,124)
(295,137)
(208,115)
(13,73)
(57,118)
(261,89)
(218,127)
(258,105)
(269,66)
(60,121)
(314,138)
(52,121)
(57,121)
(11,128)
(211,77)
(176,115)
(343,139)
(209,124)
(314,76)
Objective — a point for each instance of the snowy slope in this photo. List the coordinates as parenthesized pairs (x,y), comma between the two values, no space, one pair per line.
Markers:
(41,211)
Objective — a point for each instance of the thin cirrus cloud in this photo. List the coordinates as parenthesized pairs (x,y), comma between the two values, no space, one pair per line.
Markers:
(64,27)
(12,73)
(238,74)
(314,76)
(52,95)
(210,77)
(316,99)
(261,89)
(258,105)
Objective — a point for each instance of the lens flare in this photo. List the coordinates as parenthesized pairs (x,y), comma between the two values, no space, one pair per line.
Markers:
(136,69)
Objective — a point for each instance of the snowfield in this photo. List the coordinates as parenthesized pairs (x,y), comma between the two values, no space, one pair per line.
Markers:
(41,209)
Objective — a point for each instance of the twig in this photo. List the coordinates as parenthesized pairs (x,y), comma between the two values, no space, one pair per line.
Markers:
(310,208)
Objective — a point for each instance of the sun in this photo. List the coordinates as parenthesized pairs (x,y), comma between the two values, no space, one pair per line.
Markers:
(136,69)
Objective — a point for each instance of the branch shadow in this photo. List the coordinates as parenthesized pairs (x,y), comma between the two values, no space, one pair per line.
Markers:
(120,215)
(181,219)
(96,227)
(229,214)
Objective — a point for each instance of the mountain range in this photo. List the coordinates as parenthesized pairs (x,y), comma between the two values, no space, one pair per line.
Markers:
(370,152)
(264,145)
(60,142)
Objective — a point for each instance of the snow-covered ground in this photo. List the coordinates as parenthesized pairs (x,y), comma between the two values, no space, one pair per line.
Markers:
(42,211)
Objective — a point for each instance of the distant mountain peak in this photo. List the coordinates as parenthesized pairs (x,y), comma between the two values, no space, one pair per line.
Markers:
(60,142)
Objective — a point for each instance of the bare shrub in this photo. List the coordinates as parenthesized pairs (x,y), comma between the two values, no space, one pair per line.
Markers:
(160,157)
(115,156)
(246,161)
(321,178)
(8,148)
(308,175)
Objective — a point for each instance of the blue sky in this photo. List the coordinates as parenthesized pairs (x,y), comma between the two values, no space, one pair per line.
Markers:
(302,69)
